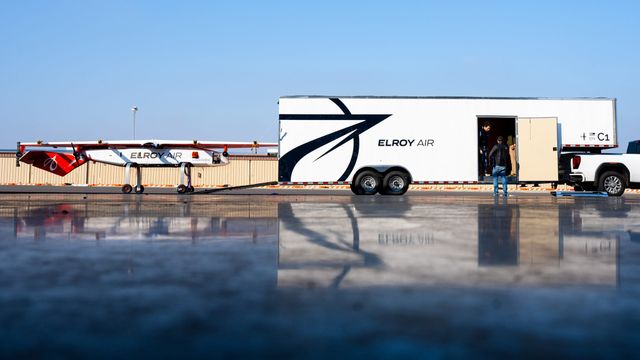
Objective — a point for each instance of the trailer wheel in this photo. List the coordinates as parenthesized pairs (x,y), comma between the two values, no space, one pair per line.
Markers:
(368,182)
(395,183)
(139,189)
(126,188)
(613,183)
(355,189)
(182,189)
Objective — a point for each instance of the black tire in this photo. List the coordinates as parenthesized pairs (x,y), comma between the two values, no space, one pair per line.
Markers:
(395,183)
(126,188)
(354,189)
(190,188)
(613,183)
(182,189)
(368,182)
(139,189)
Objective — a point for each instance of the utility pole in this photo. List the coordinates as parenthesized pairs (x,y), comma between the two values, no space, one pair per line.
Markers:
(134,110)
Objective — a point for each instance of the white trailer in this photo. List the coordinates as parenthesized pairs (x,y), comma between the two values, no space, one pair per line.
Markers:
(382,144)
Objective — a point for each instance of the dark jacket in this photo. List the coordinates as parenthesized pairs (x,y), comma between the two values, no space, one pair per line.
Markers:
(501,153)
(484,139)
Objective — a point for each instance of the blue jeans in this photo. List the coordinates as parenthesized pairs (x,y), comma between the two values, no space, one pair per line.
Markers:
(499,171)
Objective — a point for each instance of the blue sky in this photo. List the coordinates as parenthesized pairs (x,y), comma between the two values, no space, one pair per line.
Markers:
(214,70)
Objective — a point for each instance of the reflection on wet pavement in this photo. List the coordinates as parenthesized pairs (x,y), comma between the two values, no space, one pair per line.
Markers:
(516,245)
(314,276)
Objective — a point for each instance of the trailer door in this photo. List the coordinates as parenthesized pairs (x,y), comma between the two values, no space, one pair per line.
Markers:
(537,146)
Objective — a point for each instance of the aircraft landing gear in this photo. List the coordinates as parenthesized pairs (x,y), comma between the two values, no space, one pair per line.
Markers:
(127,188)
(185,169)
(182,189)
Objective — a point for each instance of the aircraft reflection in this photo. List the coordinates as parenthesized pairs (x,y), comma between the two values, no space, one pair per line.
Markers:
(141,221)
(364,245)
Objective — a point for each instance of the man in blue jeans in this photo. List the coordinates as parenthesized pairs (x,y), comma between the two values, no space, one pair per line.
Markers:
(501,152)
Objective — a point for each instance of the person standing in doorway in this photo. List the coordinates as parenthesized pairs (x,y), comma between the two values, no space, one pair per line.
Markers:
(483,142)
(501,152)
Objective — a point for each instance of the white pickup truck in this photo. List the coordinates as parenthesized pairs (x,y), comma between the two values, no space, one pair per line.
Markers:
(612,173)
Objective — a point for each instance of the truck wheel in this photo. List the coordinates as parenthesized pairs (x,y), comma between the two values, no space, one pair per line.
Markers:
(355,189)
(126,188)
(139,189)
(182,189)
(367,182)
(613,183)
(395,183)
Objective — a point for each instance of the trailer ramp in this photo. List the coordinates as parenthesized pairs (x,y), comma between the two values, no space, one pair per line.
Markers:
(579,193)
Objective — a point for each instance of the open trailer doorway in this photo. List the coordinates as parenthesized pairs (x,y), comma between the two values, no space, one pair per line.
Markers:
(489,128)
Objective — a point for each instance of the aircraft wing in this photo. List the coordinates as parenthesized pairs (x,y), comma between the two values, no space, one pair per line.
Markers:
(208,144)
(153,143)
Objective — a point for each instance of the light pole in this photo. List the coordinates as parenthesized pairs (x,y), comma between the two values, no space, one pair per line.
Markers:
(134,110)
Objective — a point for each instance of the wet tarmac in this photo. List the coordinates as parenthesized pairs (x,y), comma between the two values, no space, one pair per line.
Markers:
(444,275)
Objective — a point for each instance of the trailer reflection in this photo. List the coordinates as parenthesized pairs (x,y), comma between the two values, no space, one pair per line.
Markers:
(492,244)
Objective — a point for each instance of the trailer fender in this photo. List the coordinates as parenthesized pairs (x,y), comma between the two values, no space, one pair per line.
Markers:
(401,169)
(383,170)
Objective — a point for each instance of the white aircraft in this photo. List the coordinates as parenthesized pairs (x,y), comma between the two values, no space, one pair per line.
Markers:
(61,158)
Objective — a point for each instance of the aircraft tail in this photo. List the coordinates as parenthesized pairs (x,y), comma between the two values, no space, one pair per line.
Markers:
(54,162)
